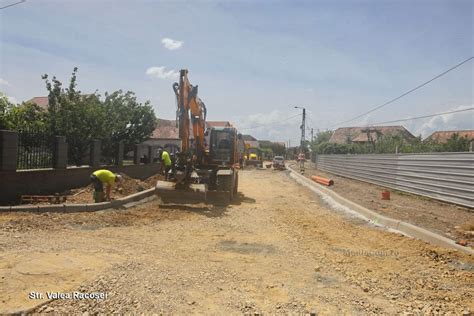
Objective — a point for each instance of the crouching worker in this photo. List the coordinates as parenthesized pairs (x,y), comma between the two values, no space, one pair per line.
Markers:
(166,164)
(101,177)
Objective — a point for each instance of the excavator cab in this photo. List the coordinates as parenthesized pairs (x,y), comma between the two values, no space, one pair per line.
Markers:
(222,146)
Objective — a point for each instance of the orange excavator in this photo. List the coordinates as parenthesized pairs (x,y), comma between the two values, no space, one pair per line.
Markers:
(205,170)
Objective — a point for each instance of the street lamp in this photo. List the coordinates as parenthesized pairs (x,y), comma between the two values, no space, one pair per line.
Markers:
(303,128)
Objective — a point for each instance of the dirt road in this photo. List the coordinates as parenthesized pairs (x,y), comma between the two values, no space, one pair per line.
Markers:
(278,249)
(452,221)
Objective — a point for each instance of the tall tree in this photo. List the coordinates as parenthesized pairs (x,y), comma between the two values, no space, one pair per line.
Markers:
(80,118)
(4,106)
(127,120)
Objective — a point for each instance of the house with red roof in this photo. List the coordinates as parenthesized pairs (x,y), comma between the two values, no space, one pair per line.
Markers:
(443,136)
(362,135)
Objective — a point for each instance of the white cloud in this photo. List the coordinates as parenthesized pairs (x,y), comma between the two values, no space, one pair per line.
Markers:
(171,44)
(275,125)
(162,73)
(12,100)
(3,82)
(453,121)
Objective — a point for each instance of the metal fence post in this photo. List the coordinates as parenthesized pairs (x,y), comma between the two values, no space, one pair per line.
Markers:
(8,150)
(60,153)
(95,153)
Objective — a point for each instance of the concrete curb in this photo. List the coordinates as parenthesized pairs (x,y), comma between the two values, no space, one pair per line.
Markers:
(65,208)
(373,217)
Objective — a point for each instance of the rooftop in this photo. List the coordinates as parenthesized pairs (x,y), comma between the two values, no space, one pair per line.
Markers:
(166,129)
(443,136)
(345,135)
(42,102)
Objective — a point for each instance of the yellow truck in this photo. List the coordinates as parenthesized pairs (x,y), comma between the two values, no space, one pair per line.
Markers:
(253,157)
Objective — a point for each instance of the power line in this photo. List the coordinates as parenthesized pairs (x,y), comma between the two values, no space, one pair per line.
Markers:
(404,94)
(424,116)
(311,120)
(270,123)
(11,5)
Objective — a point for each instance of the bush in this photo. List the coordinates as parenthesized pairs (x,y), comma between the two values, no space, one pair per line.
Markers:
(389,144)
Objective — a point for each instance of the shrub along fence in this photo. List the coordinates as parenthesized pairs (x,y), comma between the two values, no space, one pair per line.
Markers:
(447,177)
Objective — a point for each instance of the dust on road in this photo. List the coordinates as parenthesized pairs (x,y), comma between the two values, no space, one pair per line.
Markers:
(278,249)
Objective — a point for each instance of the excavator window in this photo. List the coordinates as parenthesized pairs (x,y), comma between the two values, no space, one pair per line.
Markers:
(221,145)
(224,144)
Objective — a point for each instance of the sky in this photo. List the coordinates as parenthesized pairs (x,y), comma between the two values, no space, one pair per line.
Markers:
(253,61)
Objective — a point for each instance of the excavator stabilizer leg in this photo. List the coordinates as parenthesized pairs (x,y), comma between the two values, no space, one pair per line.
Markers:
(226,187)
(193,194)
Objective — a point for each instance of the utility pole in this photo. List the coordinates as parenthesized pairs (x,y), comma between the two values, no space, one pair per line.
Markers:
(303,128)
(312,135)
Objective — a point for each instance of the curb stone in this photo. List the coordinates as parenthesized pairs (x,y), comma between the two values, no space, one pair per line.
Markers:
(374,217)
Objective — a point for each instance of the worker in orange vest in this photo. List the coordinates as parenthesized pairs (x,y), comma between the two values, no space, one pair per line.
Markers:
(301,160)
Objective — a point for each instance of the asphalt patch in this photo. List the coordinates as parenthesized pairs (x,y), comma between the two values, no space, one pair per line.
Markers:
(246,248)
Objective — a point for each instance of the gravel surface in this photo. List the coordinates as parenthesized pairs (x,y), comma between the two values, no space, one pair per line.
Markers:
(452,221)
(278,249)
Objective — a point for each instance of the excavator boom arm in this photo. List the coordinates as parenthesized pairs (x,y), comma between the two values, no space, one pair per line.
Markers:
(191,112)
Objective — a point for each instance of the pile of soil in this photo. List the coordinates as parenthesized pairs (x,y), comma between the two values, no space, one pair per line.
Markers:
(151,181)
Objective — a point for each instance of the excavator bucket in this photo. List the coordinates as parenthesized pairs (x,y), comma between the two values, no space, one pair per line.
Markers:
(193,194)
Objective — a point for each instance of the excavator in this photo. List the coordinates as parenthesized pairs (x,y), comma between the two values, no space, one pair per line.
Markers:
(206,168)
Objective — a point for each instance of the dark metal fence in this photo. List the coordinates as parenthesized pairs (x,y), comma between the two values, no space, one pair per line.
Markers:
(35,149)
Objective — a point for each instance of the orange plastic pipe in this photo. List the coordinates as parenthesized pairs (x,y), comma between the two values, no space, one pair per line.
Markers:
(321,180)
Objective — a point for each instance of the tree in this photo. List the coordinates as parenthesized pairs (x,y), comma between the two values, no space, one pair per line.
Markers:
(278,149)
(80,118)
(27,116)
(322,136)
(319,138)
(456,143)
(4,107)
(389,144)
(128,121)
